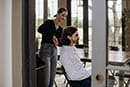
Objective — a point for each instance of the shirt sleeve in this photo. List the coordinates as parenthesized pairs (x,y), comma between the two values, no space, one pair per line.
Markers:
(47,29)
(43,28)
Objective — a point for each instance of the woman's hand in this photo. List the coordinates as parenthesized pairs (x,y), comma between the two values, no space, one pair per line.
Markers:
(55,40)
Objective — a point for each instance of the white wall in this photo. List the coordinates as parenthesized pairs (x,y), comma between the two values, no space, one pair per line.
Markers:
(17,43)
(99,43)
(10,55)
(5,44)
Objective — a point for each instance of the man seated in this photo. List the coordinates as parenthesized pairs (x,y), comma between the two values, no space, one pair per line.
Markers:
(70,60)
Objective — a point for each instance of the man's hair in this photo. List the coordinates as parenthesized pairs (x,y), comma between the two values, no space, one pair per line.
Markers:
(68,31)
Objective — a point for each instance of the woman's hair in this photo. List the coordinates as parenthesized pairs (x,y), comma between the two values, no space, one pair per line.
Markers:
(68,31)
(60,10)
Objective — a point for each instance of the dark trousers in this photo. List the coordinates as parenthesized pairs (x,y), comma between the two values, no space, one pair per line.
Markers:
(48,54)
(82,83)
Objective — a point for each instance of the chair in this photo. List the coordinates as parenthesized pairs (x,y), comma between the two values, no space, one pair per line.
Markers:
(125,75)
(65,74)
(59,71)
(112,81)
(71,83)
(39,70)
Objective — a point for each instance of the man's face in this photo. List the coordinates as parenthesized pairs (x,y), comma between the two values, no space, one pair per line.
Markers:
(75,37)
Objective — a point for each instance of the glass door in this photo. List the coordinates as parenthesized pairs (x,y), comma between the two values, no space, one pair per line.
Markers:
(118,58)
(110,61)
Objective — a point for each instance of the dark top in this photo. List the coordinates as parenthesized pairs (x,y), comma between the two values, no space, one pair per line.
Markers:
(48,29)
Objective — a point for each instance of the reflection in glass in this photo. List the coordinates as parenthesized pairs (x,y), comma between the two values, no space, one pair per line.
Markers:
(39,20)
(39,15)
(77,17)
(52,8)
(114,23)
(117,74)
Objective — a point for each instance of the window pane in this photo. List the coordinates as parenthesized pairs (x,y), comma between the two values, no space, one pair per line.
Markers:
(39,20)
(52,8)
(114,22)
(77,17)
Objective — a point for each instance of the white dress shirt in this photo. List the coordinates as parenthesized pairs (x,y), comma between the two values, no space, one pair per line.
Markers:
(73,66)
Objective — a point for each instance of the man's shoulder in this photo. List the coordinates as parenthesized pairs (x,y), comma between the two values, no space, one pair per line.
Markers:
(67,50)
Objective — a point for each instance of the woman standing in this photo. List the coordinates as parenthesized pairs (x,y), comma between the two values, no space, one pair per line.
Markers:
(51,33)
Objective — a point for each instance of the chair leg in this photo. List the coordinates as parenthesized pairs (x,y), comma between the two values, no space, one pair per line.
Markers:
(55,84)
(64,81)
(128,83)
(67,84)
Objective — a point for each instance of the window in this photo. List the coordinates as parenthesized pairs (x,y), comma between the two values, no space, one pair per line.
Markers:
(39,12)
(114,22)
(39,4)
(52,8)
(77,17)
